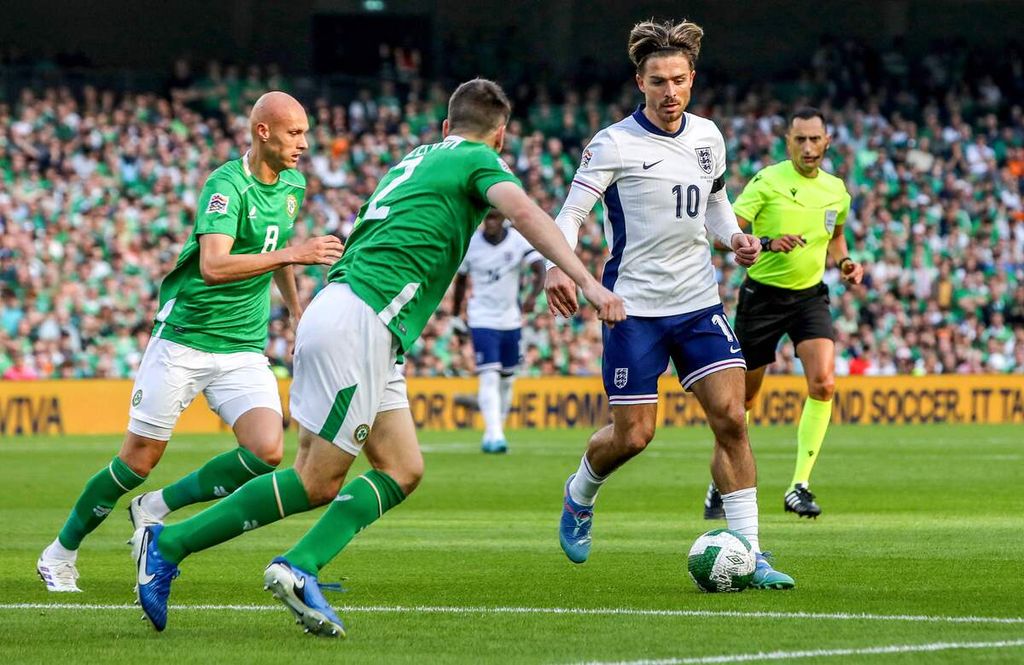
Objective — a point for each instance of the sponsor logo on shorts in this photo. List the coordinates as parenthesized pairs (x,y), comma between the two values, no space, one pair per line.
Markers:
(734,349)
(362,432)
(292,204)
(137,397)
(218,204)
(621,377)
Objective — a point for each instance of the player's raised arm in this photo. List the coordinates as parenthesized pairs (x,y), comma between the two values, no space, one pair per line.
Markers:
(539,229)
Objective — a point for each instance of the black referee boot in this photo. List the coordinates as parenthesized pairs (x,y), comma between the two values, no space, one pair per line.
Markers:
(800,500)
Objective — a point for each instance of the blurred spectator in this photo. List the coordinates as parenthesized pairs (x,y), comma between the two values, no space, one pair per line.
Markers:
(99,190)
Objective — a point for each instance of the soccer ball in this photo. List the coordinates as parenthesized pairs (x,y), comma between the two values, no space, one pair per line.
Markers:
(721,560)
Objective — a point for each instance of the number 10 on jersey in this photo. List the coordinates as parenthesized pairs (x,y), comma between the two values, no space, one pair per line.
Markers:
(692,200)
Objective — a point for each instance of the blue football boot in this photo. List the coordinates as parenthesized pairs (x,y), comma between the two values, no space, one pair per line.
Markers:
(300,592)
(574,529)
(766,577)
(154,575)
(498,446)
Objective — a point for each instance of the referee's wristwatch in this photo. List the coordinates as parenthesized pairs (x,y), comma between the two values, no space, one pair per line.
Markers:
(766,244)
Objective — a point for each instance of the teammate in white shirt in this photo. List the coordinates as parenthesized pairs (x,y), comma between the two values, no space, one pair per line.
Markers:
(495,262)
(661,174)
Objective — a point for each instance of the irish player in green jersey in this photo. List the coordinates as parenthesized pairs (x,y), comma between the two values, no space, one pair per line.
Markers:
(798,211)
(209,337)
(348,394)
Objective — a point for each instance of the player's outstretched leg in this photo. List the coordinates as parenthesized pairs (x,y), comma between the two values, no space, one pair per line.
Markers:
(733,467)
(300,592)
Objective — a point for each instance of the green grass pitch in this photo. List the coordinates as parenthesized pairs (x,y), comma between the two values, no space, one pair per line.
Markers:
(917,553)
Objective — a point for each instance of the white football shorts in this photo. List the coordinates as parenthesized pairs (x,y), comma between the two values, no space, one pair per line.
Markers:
(171,375)
(345,369)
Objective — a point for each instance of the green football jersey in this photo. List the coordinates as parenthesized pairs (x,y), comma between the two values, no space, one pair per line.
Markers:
(780,201)
(411,236)
(227,318)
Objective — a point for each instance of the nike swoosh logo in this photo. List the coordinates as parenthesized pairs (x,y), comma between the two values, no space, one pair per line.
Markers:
(653,164)
(144,575)
(748,290)
(734,349)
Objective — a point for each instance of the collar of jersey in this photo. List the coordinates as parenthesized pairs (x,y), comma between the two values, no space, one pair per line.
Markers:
(642,120)
(248,173)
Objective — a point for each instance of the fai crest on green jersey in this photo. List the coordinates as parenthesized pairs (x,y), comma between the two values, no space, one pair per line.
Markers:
(292,205)
(831,216)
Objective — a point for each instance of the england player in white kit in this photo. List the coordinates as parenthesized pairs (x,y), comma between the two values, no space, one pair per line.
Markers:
(661,174)
(495,261)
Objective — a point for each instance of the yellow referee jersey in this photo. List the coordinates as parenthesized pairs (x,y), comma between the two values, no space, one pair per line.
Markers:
(780,201)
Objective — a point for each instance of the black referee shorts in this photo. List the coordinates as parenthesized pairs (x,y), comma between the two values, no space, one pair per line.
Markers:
(766,313)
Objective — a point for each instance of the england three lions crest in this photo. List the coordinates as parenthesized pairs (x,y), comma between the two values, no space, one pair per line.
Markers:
(704,159)
(621,377)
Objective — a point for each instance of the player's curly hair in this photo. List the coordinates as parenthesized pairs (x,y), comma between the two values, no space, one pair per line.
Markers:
(651,38)
(478,106)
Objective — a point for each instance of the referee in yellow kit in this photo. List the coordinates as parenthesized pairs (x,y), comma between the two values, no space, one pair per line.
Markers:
(798,211)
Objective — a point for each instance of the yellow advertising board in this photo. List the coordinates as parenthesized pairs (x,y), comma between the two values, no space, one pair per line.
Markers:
(101,406)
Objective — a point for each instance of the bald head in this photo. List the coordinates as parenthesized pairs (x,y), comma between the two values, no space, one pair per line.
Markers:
(278,125)
(274,107)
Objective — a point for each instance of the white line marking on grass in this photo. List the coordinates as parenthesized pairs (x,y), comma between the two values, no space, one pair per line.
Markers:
(824,653)
(599,611)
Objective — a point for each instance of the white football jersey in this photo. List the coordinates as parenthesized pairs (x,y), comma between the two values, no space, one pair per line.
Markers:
(655,187)
(496,271)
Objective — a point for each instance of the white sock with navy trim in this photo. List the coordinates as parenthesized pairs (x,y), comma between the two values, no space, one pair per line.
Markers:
(585,484)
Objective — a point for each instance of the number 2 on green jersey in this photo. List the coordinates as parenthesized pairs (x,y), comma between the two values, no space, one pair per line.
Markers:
(373,211)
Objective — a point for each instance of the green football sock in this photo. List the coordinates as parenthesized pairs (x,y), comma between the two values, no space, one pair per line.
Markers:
(259,502)
(809,436)
(97,500)
(219,477)
(359,504)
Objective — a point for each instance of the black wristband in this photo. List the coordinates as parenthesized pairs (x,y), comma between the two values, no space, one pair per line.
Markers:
(766,244)
(844,260)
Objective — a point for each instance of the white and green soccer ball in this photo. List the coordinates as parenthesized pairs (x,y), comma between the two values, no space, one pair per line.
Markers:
(721,560)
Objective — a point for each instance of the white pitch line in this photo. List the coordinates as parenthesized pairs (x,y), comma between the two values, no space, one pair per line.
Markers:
(600,611)
(823,653)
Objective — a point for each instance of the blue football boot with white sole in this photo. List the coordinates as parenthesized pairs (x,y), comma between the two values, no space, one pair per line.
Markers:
(574,528)
(300,592)
(155,575)
(766,577)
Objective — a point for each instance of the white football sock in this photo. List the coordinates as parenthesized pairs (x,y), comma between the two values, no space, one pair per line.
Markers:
(154,504)
(585,484)
(57,551)
(741,514)
(490,405)
(505,391)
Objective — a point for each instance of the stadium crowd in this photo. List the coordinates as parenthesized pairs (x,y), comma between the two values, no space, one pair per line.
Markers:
(99,189)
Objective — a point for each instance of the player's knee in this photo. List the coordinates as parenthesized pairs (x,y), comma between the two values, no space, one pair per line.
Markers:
(269,447)
(730,424)
(409,477)
(321,489)
(822,387)
(636,438)
(140,453)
